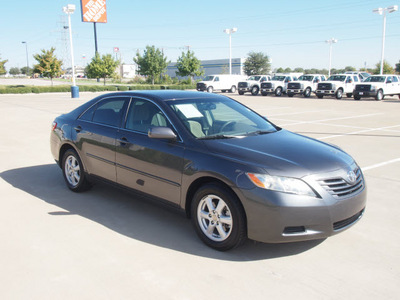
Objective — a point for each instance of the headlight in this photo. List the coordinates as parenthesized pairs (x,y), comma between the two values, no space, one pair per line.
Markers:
(333,86)
(281,184)
(373,88)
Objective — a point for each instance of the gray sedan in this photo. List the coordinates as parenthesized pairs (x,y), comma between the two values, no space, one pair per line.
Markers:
(234,173)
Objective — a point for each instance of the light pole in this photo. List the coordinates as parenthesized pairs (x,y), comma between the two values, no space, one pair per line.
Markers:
(383,11)
(330,42)
(230,31)
(27,60)
(69,10)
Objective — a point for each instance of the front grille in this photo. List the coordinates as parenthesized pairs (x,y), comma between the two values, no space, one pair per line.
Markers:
(266,85)
(294,85)
(200,85)
(324,86)
(338,187)
(363,87)
(243,84)
(346,222)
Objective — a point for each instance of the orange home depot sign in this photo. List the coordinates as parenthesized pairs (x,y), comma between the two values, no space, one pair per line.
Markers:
(94,11)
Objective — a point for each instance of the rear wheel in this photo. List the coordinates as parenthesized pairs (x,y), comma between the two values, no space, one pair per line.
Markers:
(379,95)
(218,217)
(73,172)
(307,93)
(254,90)
(278,91)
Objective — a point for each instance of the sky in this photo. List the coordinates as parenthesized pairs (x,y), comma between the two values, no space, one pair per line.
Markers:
(292,33)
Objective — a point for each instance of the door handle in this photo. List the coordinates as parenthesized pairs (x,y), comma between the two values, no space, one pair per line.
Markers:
(78,128)
(123,141)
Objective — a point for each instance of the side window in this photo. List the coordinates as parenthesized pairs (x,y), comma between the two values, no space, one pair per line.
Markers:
(355,78)
(394,78)
(109,111)
(88,115)
(216,78)
(143,115)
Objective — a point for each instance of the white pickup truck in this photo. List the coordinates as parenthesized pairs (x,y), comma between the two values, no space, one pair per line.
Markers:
(305,85)
(277,85)
(221,82)
(337,85)
(252,84)
(377,86)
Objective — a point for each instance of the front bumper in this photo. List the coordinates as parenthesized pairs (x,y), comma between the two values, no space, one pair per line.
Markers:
(325,92)
(295,91)
(364,93)
(270,90)
(274,217)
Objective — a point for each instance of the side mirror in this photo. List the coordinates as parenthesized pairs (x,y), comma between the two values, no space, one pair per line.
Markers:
(161,133)
(389,81)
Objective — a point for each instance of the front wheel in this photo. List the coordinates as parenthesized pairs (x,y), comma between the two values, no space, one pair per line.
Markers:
(278,92)
(356,97)
(254,90)
(290,95)
(210,89)
(339,94)
(320,96)
(379,95)
(241,93)
(307,93)
(349,95)
(233,89)
(73,172)
(265,94)
(218,217)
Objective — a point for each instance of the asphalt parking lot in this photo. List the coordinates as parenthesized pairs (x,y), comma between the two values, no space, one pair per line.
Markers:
(107,244)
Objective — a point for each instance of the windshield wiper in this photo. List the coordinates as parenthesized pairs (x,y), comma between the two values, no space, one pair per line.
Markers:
(218,137)
(259,132)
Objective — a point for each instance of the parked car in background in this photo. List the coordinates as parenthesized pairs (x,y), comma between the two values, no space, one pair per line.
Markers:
(252,84)
(220,82)
(305,85)
(277,85)
(377,86)
(233,172)
(337,85)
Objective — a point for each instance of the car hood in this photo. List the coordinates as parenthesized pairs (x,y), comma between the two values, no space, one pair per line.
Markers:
(283,153)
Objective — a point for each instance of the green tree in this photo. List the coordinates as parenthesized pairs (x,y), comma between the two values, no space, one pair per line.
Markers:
(298,70)
(349,69)
(153,63)
(2,68)
(280,70)
(102,67)
(257,63)
(387,68)
(26,71)
(15,71)
(189,65)
(398,67)
(48,64)
(287,70)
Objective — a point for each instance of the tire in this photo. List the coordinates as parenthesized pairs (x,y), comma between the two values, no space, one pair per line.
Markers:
(349,95)
(241,93)
(210,89)
(307,93)
(320,96)
(73,172)
(265,94)
(233,89)
(254,90)
(278,92)
(218,217)
(339,94)
(223,91)
(379,95)
(290,95)
(356,97)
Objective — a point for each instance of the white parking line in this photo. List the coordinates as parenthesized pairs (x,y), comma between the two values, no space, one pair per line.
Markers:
(333,119)
(381,164)
(357,132)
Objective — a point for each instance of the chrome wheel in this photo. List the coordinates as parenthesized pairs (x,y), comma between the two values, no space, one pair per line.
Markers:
(214,218)
(72,170)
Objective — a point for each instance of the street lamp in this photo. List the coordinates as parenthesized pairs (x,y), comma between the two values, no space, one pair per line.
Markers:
(230,31)
(27,60)
(69,10)
(382,11)
(330,42)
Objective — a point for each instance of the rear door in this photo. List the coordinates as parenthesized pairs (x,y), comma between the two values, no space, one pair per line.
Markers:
(152,166)
(96,132)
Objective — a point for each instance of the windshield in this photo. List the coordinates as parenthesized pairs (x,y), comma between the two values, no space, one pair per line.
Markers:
(219,118)
(337,78)
(306,78)
(255,78)
(278,78)
(375,79)
(208,78)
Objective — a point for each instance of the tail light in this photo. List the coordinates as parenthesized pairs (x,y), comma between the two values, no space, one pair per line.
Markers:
(54,126)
